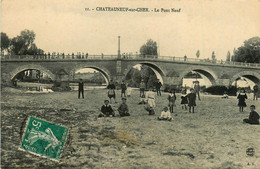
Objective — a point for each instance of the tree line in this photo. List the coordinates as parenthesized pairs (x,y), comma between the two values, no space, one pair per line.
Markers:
(22,44)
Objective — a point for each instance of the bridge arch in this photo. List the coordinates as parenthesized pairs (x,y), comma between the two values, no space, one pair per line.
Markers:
(31,66)
(253,76)
(160,74)
(205,71)
(105,73)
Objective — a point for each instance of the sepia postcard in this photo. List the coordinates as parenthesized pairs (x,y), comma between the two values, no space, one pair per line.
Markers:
(128,84)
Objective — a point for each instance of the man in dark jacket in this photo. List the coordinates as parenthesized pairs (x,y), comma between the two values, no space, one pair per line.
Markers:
(123,88)
(158,86)
(253,116)
(81,88)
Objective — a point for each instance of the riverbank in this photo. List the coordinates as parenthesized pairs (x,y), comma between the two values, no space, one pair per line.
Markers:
(213,137)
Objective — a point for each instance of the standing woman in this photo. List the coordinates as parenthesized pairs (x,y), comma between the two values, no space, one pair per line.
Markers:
(111,91)
(150,97)
(255,92)
(81,88)
(142,88)
(242,100)
(172,99)
(192,100)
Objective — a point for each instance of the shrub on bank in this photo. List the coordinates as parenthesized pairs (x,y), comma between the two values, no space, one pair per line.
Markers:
(219,90)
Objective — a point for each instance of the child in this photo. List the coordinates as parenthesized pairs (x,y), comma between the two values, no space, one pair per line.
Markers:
(165,115)
(241,100)
(150,97)
(192,100)
(106,110)
(123,108)
(225,95)
(142,99)
(253,117)
(184,100)
(172,99)
(123,89)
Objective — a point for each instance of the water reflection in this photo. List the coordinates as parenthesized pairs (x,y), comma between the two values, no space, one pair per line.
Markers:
(75,87)
(39,89)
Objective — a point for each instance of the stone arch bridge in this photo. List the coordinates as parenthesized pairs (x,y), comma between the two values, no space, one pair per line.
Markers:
(170,70)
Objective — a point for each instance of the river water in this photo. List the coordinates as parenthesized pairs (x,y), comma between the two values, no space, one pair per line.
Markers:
(46,88)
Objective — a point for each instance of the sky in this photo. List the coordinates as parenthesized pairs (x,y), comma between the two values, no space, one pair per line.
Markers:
(65,26)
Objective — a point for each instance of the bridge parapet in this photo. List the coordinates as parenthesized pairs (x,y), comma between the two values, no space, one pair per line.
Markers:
(127,57)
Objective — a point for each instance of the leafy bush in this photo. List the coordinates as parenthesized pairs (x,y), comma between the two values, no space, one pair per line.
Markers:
(219,90)
(168,88)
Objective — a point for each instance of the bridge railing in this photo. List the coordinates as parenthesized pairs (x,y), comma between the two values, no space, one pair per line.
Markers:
(135,57)
(56,57)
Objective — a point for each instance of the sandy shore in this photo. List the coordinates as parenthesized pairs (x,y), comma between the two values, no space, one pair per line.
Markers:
(213,137)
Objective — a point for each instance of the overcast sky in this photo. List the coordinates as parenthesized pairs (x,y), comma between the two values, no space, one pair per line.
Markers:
(64,26)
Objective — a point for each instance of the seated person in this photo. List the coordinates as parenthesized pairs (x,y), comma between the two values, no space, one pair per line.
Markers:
(142,99)
(123,108)
(165,115)
(253,116)
(106,110)
(225,95)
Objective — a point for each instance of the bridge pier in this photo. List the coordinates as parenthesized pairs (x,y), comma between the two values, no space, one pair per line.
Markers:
(223,82)
(172,81)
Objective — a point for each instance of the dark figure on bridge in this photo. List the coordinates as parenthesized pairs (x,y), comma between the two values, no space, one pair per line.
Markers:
(242,100)
(192,100)
(106,110)
(123,89)
(123,108)
(253,116)
(81,88)
(197,88)
(255,92)
(185,58)
(158,86)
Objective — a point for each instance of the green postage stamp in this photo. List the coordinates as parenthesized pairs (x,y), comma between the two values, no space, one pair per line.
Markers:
(44,138)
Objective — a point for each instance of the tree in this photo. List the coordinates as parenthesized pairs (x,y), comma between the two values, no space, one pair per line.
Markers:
(5,42)
(150,48)
(198,54)
(249,52)
(24,44)
(228,57)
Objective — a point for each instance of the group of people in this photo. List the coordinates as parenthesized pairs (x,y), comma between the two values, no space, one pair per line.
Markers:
(187,100)
(147,98)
